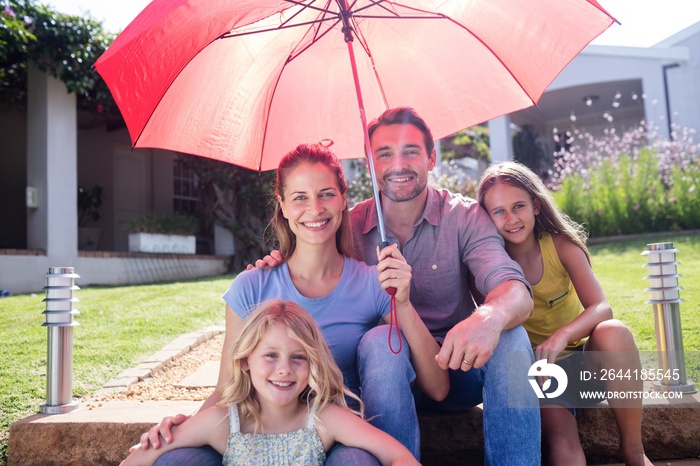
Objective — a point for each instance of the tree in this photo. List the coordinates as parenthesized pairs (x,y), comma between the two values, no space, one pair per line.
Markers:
(472,142)
(238,199)
(64,46)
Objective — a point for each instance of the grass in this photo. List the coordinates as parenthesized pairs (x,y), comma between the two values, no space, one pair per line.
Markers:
(119,326)
(620,268)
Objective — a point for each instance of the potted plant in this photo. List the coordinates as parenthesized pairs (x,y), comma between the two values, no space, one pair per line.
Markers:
(89,205)
(163,233)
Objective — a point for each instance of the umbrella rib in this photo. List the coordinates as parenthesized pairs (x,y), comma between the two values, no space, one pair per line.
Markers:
(495,55)
(267,115)
(365,47)
(392,14)
(230,35)
(316,38)
(443,16)
(309,5)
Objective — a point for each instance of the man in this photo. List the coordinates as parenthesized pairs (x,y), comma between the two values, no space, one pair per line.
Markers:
(444,238)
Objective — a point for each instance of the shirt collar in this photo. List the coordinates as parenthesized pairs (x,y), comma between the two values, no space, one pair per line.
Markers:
(431,213)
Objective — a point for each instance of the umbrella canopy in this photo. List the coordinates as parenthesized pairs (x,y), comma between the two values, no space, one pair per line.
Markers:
(245,81)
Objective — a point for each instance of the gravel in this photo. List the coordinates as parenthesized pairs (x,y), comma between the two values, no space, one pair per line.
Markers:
(161,385)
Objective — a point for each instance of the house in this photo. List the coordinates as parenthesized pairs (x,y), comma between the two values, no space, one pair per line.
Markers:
(51,149)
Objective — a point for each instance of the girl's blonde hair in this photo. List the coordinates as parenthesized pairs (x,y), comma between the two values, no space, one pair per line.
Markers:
(325,384)
(313,154)
(551,219)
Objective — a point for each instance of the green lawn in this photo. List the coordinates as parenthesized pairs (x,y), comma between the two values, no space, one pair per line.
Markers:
(620,269)
(119,326)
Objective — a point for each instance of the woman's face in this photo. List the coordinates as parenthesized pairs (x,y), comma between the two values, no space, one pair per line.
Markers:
(313,203)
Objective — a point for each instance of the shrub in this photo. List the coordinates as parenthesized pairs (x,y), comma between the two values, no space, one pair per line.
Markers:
(630,183)
(169,224)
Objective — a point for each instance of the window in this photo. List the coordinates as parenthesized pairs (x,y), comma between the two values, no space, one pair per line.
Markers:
(184,189)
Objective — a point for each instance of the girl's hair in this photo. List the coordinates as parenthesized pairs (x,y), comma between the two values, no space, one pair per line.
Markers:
(325,384)
(313,154)
(551,219)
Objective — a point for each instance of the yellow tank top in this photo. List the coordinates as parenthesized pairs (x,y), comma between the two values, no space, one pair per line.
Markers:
(556,301)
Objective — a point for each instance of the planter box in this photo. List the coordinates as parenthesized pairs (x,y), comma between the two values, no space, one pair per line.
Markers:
(162,244)
(88,238)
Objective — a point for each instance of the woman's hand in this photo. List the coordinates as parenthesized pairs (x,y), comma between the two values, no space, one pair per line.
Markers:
(163,430)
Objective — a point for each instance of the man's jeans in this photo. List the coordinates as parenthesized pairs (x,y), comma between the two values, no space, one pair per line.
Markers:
(511,410)
(386,380)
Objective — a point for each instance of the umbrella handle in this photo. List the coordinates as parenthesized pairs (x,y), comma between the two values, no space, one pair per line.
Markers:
(393,316)
(391,291)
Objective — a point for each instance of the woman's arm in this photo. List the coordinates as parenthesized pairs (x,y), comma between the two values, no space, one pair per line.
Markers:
(163,432)
(395,272)
(207,427)
(596,306)
(342,426)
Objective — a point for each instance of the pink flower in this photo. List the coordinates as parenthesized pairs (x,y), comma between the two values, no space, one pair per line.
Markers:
(100,108)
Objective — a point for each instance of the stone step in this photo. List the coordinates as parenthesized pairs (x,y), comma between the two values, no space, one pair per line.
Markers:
(668,432)
(102,435)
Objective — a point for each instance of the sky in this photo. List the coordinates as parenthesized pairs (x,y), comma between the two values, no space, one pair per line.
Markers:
(643,22)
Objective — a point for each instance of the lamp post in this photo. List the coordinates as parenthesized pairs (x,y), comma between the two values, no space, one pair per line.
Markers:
(665,301)
(60,285)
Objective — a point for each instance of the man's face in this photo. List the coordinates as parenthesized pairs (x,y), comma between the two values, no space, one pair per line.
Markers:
(401,161)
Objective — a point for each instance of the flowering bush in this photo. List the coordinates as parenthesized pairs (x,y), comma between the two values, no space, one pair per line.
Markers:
(630,183)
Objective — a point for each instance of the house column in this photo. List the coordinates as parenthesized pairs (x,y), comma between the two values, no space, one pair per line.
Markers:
(655,104)
(52,168)
(500,139)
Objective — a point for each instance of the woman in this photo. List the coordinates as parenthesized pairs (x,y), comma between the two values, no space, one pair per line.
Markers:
(321,273)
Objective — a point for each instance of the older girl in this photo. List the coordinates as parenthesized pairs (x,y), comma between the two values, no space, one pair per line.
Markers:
(571,313)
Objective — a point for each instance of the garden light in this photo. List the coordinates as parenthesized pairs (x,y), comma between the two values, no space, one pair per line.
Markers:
(60,285)
(665,300)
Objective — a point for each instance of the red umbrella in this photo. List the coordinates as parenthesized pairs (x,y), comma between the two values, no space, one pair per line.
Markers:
(244,81)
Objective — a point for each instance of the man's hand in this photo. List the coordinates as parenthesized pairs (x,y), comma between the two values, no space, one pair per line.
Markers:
(160,431)
(471,342)
(394,271)
(270,261)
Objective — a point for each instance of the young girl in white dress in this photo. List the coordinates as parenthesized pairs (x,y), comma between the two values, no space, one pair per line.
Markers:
(284,402)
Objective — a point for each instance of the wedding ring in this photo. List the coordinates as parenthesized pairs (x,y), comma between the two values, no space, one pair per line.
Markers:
(466,362)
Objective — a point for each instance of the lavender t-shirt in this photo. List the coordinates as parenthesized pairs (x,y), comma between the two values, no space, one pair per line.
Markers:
(355,305)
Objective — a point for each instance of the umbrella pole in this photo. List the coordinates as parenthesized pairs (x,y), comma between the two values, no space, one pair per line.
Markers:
(347,29)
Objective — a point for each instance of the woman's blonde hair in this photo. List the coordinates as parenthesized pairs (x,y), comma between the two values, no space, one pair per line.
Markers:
(325,384)
(551,219)
(313,154)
